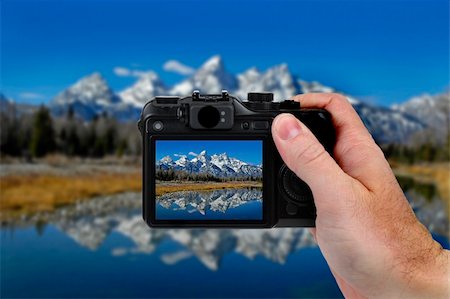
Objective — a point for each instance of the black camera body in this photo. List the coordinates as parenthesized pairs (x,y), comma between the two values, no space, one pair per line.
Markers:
(242,182)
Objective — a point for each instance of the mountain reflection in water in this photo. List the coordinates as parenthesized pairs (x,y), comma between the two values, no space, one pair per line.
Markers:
(230,203)
(89,223)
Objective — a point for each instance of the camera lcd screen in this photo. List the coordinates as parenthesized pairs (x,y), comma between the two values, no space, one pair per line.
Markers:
(201,180)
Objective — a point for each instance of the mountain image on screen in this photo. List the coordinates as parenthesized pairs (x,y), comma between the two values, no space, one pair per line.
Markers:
(214,167)
(203,186)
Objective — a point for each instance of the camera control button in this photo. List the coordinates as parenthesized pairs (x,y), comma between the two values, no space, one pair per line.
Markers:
(158,126)
(261,125)
(291,209)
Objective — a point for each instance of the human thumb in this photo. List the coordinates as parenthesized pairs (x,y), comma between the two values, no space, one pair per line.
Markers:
(307,158)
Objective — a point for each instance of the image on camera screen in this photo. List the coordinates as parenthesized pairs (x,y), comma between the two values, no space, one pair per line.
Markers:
(209,179)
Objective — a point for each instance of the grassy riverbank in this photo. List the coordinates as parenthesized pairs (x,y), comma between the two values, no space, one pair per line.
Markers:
(203,186)
(42,187)
(36,193)
(26,189)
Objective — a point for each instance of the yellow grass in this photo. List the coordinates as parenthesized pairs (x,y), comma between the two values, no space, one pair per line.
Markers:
(21,194)
(45,192)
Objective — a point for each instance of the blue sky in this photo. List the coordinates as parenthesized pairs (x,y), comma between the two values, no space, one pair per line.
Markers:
(381,51)
(249,151)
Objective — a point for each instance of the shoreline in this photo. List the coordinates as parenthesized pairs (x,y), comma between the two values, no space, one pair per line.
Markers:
(26,189)
(204,186)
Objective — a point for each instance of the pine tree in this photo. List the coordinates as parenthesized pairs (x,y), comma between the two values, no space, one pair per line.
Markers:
(42,138)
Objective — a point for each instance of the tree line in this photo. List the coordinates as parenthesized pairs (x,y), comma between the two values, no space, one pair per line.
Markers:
(180,175)
(423,152)
(40,134)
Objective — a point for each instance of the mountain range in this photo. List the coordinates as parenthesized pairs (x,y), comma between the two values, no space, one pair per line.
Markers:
(91,96)
(218,165)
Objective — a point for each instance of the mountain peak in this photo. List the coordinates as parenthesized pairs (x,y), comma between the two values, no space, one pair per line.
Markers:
(93,79)
(92,96)
(146,87)
(211,77)
(166,159)
(89,96)
(215,62)
(95,76)
(223,155)
(277,79)
(219,165)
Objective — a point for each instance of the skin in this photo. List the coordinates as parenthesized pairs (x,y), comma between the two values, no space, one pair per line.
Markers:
(365,228)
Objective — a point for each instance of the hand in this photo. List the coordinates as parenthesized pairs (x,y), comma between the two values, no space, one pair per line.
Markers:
(365,228)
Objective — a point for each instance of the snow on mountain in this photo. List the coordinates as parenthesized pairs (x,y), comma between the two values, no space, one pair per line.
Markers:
(211,77)
(277,80)
(386,125)
(432,110)
(317,87)
(148,86)
(314,86)
(91,96)
(91,89)
(219,165)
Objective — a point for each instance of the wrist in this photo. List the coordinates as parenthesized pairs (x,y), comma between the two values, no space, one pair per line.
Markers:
(427,275)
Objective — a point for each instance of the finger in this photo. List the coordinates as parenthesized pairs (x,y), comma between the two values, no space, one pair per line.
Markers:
(344,116)
(355,151)
(307,158)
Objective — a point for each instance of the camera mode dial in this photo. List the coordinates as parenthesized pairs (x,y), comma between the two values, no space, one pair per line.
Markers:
(296,190)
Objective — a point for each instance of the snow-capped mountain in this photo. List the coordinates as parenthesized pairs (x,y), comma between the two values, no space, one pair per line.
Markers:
(92,96)
(277,80)
(432,110)
(148,86)
(386,125)
(219,165)
(211,77)
(88,97)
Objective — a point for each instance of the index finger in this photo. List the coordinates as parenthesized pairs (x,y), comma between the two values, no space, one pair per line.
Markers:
(345,118)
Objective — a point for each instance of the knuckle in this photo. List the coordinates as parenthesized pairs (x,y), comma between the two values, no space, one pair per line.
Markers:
(337,97)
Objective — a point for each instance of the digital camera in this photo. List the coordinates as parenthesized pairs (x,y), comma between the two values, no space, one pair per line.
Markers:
(210,161)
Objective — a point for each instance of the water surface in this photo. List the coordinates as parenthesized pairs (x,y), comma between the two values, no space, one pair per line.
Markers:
(221,204)
(102,248)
